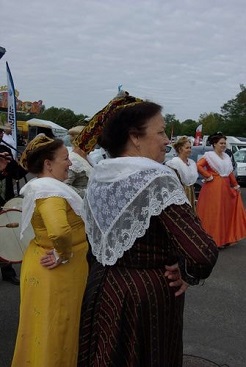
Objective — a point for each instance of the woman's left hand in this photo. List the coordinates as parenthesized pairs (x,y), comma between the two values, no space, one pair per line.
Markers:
(49,260)
(237,188)
(173,273)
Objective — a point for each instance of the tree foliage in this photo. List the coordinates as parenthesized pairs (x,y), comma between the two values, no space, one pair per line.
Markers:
(188,127)
(173,126)
(62,116)
(211,123)
(234,114)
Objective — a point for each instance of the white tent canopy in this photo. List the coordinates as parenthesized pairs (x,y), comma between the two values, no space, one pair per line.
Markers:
(57,130)
(45,123)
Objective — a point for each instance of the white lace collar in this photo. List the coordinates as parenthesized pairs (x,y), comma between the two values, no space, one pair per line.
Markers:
(79,164)
(187,172)
(39,188)
(122,195)
(221,165)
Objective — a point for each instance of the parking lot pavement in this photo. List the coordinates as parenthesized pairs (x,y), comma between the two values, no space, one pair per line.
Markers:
(215,323)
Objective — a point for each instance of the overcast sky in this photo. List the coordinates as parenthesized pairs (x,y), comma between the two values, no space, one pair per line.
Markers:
(187,55)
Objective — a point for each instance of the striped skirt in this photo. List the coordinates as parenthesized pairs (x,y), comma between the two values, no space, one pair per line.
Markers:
(130,318)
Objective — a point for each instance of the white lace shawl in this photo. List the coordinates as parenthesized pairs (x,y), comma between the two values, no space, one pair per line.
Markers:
(221,165)
(122,195)
(188,173)
(39,188)
(79,164)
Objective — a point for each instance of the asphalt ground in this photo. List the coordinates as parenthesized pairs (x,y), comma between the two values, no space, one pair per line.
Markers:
(214,318)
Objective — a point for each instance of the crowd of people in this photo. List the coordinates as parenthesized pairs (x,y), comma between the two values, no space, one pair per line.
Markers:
(116,245)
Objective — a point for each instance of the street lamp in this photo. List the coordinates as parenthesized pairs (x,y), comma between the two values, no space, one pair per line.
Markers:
(2,51)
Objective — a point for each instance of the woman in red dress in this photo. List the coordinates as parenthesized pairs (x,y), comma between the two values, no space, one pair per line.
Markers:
(220,205)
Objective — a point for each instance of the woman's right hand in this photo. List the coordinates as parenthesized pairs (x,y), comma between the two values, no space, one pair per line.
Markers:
(210,178)
(49,260)
(173,273)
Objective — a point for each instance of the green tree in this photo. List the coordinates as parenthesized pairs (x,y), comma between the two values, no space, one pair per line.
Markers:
(211,123)
(82,120)
(188,127)
(173,126)
(234,114)
(62,116)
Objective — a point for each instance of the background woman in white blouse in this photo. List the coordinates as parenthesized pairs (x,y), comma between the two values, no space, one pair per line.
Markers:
(185,167)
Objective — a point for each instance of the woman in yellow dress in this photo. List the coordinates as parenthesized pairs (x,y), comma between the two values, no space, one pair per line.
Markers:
(54,269)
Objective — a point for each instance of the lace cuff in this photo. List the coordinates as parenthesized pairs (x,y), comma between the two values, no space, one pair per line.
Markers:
(57,257)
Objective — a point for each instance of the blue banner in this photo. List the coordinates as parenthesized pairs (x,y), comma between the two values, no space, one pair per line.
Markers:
(12,106)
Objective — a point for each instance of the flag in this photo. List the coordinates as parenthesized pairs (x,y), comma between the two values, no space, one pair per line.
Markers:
(171,137)
(12,106)
(198,135)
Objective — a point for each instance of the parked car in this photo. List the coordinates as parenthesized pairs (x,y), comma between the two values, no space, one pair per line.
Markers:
(170,152)
(196,153)
(240,158)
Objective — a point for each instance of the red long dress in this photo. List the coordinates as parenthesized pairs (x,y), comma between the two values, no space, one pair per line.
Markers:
(220,206)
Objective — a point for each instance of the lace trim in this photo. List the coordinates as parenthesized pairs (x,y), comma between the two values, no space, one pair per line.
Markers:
(117,213)
(223,166)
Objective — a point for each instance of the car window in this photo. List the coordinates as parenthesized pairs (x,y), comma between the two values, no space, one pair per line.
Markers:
(240,156)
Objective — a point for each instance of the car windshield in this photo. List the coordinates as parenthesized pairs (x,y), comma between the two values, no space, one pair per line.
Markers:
(240,156)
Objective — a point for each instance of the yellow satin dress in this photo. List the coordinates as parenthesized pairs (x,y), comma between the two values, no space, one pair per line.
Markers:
(51,300)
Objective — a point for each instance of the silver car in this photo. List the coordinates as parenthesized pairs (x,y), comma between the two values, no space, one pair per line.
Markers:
(240,158)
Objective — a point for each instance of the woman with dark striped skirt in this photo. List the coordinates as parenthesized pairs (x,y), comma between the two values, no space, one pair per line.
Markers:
(146,245)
